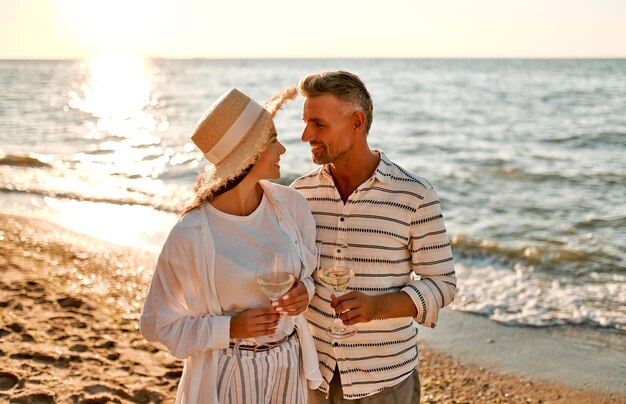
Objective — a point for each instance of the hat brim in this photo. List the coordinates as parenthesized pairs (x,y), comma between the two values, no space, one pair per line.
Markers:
(241,157)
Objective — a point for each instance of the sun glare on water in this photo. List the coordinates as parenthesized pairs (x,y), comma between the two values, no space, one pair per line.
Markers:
(116,91)
(123,124)
(116,87)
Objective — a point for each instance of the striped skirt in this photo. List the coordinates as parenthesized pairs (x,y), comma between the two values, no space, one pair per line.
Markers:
(269,377)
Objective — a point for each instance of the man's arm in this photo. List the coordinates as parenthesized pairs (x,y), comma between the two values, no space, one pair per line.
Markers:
(431,260)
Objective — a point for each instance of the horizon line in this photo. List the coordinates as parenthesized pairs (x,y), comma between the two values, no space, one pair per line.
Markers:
(318,57)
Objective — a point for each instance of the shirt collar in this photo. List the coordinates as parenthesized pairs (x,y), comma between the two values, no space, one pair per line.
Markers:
(270,192)
(324,173)
(383,172)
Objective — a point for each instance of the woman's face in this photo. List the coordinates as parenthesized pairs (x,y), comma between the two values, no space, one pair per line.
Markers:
(268,164)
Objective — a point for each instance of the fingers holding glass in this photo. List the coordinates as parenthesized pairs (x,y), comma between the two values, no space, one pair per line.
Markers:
(335,272)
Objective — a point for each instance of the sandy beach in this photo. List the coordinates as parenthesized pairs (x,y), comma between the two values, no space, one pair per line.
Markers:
(69,306)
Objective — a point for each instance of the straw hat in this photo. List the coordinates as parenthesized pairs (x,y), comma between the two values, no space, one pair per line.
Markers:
(232,134)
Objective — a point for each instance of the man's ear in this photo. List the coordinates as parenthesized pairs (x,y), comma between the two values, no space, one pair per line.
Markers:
(358,121)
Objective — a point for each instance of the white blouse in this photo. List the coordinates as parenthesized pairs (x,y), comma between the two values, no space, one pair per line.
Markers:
(182,311)
(248,245)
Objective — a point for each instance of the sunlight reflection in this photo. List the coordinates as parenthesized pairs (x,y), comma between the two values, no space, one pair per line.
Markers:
(116,90)
(130,225)
(117,87)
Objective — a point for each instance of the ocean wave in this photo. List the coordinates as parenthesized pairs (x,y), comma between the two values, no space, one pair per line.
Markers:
(517,296)
(546,258)
(517,173)
(585,139)
(97,152)
(575,178)
(594,223)
(126,195)
(24,161)
(579,94)
(134,197)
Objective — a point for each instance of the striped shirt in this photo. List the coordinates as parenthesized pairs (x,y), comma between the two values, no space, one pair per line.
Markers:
(398,242)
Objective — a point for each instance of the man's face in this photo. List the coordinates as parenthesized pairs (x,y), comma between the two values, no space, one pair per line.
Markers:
(328,128)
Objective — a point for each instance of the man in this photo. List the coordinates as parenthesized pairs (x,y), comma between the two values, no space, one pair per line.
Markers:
(391,220)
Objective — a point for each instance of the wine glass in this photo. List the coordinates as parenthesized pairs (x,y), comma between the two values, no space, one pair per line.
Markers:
(275,284)
(274,278)
(335,272)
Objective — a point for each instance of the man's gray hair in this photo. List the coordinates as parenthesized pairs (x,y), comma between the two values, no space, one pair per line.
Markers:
(347,87)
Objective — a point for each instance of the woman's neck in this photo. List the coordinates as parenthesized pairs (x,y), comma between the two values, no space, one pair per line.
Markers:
(241,200)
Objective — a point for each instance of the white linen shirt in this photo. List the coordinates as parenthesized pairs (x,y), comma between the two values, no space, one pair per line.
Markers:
(182,312)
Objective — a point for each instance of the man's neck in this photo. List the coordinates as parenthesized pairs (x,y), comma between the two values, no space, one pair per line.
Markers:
(349,174)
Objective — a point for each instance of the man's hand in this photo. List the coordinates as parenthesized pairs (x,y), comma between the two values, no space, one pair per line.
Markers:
(294,302)
(357,307)
(254,323)
(354,307)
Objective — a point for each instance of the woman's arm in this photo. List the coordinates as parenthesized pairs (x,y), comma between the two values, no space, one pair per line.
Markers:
(172,315)
(167,320)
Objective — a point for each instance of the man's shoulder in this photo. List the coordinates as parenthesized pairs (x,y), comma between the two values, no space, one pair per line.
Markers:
(398,176)
(310,178)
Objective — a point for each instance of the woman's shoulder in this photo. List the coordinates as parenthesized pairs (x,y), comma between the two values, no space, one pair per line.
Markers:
(286,193)
(183,237)
(187,226)
(193,218)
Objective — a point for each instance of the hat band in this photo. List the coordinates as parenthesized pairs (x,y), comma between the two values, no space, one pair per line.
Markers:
(235,133)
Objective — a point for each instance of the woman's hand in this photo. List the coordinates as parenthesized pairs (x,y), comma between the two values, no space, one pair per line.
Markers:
(294,302)
(254,323)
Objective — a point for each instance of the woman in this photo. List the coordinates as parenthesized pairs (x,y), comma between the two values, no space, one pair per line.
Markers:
(203,304)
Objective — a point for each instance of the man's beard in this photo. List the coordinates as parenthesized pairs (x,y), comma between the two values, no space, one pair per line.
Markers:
(324,157)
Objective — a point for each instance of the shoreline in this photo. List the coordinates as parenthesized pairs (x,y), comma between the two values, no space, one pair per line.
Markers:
(65,338)
(594,360)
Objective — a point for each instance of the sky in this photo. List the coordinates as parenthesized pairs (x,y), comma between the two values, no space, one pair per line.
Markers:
(59,29)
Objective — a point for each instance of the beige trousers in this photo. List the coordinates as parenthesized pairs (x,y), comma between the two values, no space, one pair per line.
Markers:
(405,392)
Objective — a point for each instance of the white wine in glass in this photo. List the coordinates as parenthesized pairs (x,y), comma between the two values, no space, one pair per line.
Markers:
(335,273)
(273,274)
(336,278)
(274,280)
(275,284)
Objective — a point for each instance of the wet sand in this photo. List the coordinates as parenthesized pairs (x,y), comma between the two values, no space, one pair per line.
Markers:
(68,331)
(593,359)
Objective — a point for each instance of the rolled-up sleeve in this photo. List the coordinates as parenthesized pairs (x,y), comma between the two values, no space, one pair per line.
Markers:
(432,261)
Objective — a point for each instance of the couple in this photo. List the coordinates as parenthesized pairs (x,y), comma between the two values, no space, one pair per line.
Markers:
(204,305)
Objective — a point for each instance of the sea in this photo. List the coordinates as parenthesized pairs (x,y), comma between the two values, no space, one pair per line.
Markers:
(528,158)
